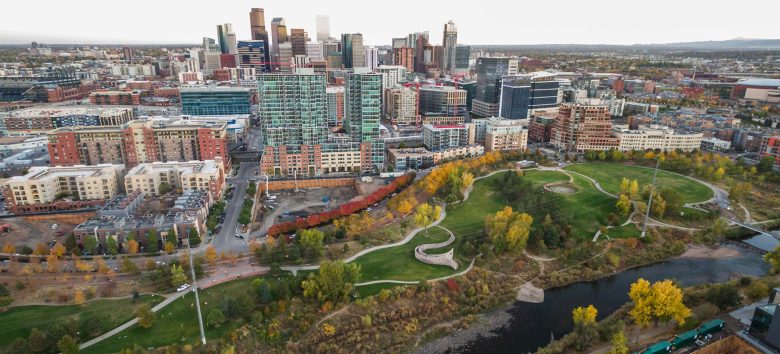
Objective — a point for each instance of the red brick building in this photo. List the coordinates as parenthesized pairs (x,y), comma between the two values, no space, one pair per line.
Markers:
(580,127)
(770,146)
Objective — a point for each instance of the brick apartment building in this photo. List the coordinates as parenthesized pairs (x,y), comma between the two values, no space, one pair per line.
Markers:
(583,126)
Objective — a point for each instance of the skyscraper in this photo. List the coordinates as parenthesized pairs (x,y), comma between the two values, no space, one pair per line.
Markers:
(222,39)
(323,28)
(259,33)
(363,101)
(524,93)
(352,50)
(372,58)
(489,73)
(226,38)
(449,43)
(298,41)
(252,54)
(293,109)
(583,126)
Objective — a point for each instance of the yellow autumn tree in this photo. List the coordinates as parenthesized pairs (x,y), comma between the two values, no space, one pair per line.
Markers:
(508,230)
(467,179)
(633,189)
(169,247)
(584,316)
(132,246)
(9,248)
(211,255)
(623,204)
(79,298)
(425,215)
(625,184)
(661,301)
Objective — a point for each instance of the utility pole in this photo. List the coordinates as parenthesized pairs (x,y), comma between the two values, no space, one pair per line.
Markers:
(650,201)
(197,299)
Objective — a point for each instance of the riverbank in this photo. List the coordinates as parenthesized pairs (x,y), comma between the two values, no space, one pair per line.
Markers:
(521,327)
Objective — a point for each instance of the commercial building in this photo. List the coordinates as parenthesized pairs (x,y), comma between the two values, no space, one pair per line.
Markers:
(505,134)
(323,27)
(583,126)
(352,51)
(462,57)
(137,142)
(440,137)
(298,41)
(363,111)
(39,120)
(449,43)
(489,74)
(208,175)
(401,105)
(715,144)
(655,137)
(770,146)
(766,90)
(540,129)
(419,158)
(372,58)
(765,324)
(124,98)
(215,100)
(524,93)
(404,56)
(42,186)
(442,101)
(252,54)
(393,74)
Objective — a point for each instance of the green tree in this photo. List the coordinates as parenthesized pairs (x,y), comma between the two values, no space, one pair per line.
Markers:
(673,199)
(658,207)
(37,340)
(765,164)
(90,244)
(164,188)
(68,345)
(194,237)
(724,296)
(310,241)
(145,315)
(585,325)
(177,275)
(719,227)
(333,282)
(425,215)
(251,189)
(111,246)
(619,343)
(215,318)
(262,291)
(151,241)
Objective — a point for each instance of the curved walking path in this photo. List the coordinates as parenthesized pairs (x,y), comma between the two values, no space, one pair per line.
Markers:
(437,259)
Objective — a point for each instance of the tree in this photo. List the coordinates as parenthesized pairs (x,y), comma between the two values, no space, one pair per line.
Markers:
(194,237)
(623,204)
(37,340)
(765,164)
(90,244)
(633,189)
(619,343)
(773,258)
(333,282)
(111,245)
(625,185)
(724,296)
(128,266)
(145,315)
(169,247)
(215,318)
(164,188)
(79,298)
(41,249)
(508,230)
(9,248)
(132,246)
(177,275)
(673,199)
(584,316)
(310,241)
(719,227)
(719,173)
(658,207)
(425,215)
(58,250)
(262,291)
(467,179)
(211,255)
(151,241)
(660,301)
(68,345)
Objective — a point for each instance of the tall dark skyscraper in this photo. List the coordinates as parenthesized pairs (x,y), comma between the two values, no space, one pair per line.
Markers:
(298,41)
(489,73)
(524,93)
(352,51)
(259,33)
(222,39)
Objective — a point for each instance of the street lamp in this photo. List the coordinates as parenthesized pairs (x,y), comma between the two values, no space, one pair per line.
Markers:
(195,290)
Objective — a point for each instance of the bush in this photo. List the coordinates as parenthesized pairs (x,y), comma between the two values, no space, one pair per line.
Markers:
(757,290)
(724,296)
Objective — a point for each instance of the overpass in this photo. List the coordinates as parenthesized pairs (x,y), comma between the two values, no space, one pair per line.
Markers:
(753,228)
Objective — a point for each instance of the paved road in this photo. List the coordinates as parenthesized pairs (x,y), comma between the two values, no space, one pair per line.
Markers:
(225,240)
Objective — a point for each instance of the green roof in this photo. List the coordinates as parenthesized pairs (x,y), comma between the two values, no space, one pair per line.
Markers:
(655,348)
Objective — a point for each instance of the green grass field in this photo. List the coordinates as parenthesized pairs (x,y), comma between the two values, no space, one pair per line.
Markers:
(177,322)
(20,320)
(398,263)
(610,175)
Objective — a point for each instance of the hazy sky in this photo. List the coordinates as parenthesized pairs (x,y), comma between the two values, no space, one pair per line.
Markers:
(478,21)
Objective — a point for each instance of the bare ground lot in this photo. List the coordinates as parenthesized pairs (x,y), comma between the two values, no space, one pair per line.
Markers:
(28,233)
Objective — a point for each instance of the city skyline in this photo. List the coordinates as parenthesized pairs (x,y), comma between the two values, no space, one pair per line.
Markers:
(503,24)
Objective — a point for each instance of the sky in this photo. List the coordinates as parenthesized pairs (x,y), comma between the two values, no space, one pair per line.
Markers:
(478,21)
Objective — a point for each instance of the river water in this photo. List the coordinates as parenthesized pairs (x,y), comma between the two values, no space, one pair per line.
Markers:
(532,325)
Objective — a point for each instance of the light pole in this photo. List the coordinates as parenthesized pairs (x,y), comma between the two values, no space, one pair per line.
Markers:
(650,201)
(195,290)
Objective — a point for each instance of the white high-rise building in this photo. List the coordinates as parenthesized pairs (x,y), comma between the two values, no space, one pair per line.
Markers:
(393,74)
(314,51)
(372,58)
(323,28)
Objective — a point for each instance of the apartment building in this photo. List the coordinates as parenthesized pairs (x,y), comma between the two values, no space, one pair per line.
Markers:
(505,134)
(583,126)
(441,137)
(208,175)
(138,142)
(42,186)
(770,146)
(655,137)
(126,98)
(40,120)
(401,105)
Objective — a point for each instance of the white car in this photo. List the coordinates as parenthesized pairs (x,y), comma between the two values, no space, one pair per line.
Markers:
(182,287)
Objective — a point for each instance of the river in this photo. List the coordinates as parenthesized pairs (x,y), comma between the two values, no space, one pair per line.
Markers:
(531,325)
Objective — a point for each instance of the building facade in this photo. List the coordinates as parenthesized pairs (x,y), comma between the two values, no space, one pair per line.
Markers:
(39,120)
(583,126)
(148,178)
(655,137)
(770,146)
(363,111)
(489,74)
(352,51)
(441,137)
(442,101)
(522,94)
(505,134)
(401,105)
(215,100)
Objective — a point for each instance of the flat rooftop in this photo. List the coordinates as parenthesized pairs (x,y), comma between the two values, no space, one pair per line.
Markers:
(43,172)
(57,111)
(207,166)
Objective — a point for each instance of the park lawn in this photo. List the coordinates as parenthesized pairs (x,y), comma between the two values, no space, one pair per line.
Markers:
(690,218)
(587,209)
(178,322)
(610,175)
(18,321)
(398,263)
(627,231)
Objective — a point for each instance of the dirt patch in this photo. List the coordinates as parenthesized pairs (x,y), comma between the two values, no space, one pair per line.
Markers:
(25,232)
(699,251)
(563,188)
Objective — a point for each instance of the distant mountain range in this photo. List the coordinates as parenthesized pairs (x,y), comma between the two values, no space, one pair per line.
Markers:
(730,44)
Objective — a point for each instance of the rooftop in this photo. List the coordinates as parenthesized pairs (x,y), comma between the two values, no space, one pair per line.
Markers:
(57,111)
(215,89)
(121,201)
(43,172)
(760,82)
(208,166)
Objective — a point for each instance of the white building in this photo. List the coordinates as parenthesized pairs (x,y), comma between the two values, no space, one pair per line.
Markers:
(45,184)
(372,58)
(314,51)
(206,175)
(714,144)
(392,74)
(655,137)
(505,134)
